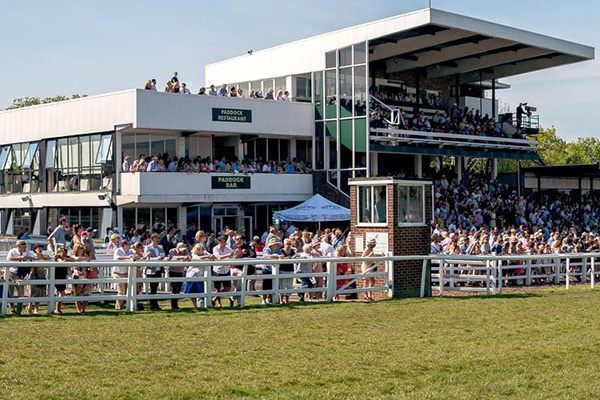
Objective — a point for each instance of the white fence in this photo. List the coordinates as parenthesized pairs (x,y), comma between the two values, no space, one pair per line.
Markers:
(491,273)
(381,267)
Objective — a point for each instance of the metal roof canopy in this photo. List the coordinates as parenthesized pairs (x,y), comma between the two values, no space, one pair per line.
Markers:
(568,170)
(440,42)
(451,44)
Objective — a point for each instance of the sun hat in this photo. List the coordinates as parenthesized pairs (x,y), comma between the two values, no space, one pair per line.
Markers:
(272,241)
(21,243)
(372,242)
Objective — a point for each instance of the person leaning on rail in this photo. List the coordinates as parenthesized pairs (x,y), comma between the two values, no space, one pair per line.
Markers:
(16,274)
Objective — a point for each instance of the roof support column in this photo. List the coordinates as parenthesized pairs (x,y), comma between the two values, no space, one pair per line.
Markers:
(459,168)
(418,89)
(494,99)
(456,87)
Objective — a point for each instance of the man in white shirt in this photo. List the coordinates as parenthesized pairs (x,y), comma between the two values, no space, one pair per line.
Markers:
(153,165)
(58,236)
(326,247)
(127,164)
(154,251)
(153,85)
(184,89)
(18,253)
(122,253)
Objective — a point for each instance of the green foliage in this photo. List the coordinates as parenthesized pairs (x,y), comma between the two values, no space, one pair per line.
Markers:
(554,150)
(34,101)
(540,345)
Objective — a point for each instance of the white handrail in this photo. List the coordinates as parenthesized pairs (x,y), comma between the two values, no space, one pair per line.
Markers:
(447,136)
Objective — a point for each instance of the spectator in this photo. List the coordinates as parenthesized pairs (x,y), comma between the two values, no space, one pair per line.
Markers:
(221,251)
(179,253)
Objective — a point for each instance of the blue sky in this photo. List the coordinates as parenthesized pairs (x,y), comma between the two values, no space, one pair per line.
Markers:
(92,47)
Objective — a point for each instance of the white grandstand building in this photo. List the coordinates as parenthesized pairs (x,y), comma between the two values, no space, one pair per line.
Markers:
(65,158)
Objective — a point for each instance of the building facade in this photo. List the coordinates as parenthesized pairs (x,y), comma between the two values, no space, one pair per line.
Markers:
(66,158)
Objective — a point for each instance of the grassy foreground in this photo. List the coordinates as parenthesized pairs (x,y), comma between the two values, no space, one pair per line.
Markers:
(531,346)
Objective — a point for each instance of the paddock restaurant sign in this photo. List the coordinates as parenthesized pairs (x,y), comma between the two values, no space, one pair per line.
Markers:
(231,115)
(230,182)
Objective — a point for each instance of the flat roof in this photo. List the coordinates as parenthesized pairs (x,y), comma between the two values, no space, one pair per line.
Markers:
(566,170)
(440,42)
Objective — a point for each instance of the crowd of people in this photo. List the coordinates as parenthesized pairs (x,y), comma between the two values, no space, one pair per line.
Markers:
(165,163)
(174,86)
(465,121)
(401,96)
(75,245)
(479,216)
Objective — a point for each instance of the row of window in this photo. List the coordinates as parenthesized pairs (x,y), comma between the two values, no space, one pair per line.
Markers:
(372,204)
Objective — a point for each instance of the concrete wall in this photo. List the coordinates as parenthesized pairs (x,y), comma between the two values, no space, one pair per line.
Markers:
(156,110)
(73,117)
(172,187)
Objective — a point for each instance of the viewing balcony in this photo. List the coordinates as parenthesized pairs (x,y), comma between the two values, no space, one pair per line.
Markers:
(451,144)
(179,187)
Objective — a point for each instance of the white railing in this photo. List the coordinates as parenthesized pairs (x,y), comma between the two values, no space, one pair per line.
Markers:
(105,283)
(491,273)
(452,139)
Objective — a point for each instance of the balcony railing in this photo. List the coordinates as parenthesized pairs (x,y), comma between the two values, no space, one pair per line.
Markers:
(397,137)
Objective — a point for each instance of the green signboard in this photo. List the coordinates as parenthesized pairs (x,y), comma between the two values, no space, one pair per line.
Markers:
(230,182)
(231,115)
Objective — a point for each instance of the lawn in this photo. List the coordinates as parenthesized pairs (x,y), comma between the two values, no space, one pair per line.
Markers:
(538,345)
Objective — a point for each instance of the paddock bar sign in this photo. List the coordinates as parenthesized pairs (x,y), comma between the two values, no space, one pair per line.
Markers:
(231,115)
(230,182)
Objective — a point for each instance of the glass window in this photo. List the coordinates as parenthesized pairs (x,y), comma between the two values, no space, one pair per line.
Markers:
(345,92)
(410,204)
(171,146)
(128,146)
(360,54)
(346,143)
(104,150)
(319,95)
(157,145)
(319,145)
(172,216)
(30,155)
(280,84)
(360,91)
(158,217)
(284,149)
(267,84)
(143,217)
(255,86)
(4,157)
(372,204)
(360,143)
(346,56)
(142,144)
(273,149)
(128,217)
(330,95)
(330,59)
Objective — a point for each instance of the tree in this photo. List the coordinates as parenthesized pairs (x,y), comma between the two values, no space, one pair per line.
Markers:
(552,149)
(34,101)
(585,150)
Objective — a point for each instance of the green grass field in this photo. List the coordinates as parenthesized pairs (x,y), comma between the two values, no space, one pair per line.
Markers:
(532,346)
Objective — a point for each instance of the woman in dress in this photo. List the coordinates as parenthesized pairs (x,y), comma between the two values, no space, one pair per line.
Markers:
(370,281)
(342,268)
(80,272)
(62,255)
(285,269)
(37,273)
(198,253)
(280,96)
